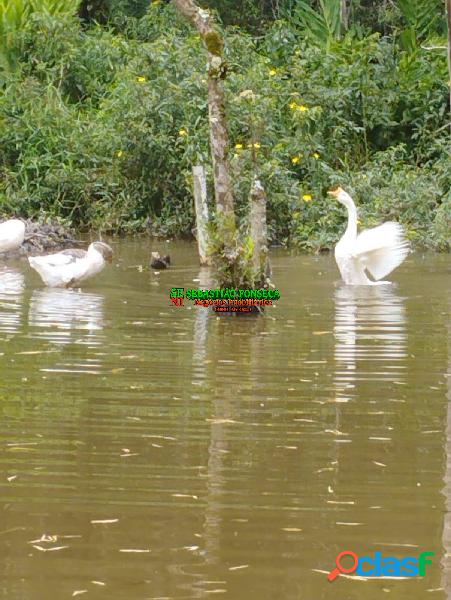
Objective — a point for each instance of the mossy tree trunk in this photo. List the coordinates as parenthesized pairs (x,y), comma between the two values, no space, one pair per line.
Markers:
(448,14)
(219,139)
(229,251)
(344,15)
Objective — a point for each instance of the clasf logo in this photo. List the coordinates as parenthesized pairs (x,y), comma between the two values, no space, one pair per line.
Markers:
(380,566)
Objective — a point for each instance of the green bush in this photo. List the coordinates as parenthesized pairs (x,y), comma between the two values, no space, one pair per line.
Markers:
(101,126)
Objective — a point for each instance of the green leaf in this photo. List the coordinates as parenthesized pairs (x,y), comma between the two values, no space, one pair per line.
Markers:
(323,26)
(422,16)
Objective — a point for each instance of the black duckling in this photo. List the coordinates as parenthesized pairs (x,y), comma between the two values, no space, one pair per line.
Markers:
(159,262)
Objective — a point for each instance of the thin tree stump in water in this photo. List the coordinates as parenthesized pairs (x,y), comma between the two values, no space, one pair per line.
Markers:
(259,232)
(201,207)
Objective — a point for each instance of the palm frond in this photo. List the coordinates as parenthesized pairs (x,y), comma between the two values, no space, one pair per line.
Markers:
(422,16)
(323,25)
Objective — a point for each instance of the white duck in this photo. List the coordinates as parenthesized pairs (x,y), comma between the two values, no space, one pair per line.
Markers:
(12,234)
(69,267)
(377,251)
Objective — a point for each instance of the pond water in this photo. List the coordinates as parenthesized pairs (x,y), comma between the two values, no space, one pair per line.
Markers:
(150,452)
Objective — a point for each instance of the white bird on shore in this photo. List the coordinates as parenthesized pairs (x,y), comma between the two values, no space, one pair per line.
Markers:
(12,234)
(69,267)
(377,251)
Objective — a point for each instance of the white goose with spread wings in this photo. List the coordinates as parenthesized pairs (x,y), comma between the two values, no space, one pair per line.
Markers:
(69,267)
(377,251)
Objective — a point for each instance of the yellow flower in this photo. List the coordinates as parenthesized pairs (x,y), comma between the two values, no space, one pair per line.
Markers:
(316,155)
(273,72)
(119,153)
(300,107)
(239,146)
(296,159)
(182,132)
(256,145)
(141,79)
(307,197)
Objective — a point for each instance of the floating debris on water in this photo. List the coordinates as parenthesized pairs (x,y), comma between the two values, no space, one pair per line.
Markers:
(104,521)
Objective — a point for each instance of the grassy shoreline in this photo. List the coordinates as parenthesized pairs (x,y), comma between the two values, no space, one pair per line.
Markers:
(100,125)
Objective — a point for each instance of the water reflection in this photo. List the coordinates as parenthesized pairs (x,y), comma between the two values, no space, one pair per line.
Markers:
(446,538)
(202,458)
(11,296)
(202,316)
(370,335)
(67,316)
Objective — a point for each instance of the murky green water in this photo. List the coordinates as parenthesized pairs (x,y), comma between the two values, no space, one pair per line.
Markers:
(149,451)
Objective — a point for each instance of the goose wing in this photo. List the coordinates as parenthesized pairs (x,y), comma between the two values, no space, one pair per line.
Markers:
(382,249)
(60,269)
(65,257)
(74,253)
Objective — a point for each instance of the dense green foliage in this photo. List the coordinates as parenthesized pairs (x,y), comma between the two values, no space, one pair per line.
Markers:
(100,123)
